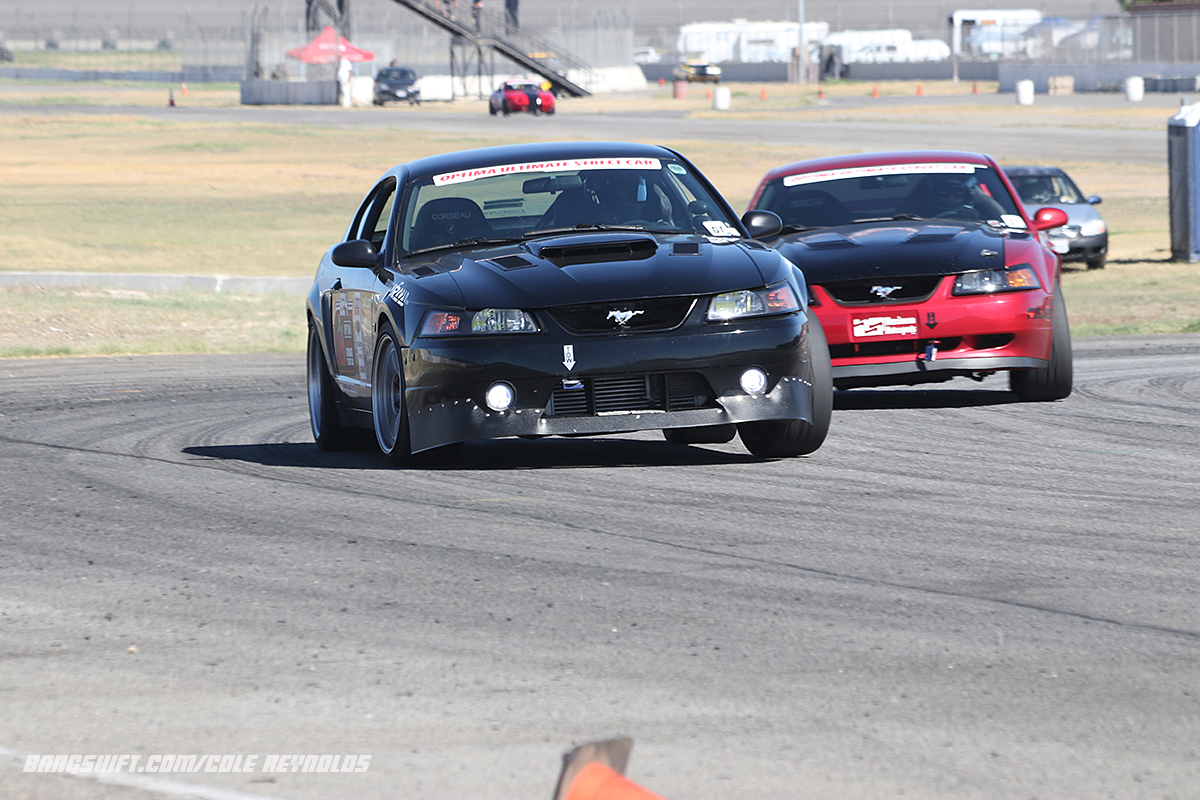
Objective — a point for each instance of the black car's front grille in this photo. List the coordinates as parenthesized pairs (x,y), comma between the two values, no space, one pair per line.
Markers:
(657,314)
(883,290)
(677,391)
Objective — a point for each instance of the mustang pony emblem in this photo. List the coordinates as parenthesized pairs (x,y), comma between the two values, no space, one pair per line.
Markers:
(622,316)
(883,291)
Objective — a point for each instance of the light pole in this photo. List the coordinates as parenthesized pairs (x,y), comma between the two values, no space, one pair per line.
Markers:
(803,77)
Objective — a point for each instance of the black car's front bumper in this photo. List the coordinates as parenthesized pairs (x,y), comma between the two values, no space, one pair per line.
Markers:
(606,384)
(388,94)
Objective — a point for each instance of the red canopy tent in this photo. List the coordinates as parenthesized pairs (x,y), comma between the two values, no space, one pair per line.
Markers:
(328,47)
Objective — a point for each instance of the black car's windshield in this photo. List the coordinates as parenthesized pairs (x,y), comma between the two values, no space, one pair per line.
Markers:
(516,201)
(943,191)
(396,74)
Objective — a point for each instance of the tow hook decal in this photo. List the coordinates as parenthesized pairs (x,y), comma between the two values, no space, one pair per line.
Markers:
(569,356)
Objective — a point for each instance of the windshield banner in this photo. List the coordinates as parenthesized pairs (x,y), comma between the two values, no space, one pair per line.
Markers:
(465,175)
(879,171)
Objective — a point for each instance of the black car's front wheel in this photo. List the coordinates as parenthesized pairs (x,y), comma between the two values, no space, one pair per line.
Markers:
(387,400)
(390,412)
(789,438)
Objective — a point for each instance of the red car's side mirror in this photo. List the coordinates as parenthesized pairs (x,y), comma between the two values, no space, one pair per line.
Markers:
(1047,218)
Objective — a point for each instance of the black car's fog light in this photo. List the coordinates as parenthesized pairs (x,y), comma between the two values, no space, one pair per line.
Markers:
(754,381)
(500,396)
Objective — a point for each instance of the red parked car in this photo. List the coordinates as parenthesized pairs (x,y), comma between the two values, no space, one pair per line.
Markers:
(922,267)
(517,96)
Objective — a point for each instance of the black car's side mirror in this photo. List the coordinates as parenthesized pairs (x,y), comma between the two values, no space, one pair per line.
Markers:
(762,223)
(355,253)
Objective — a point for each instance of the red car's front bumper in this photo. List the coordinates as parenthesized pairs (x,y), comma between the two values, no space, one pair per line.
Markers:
(937,339)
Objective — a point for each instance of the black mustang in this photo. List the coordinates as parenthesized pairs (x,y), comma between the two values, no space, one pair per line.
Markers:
(560,290)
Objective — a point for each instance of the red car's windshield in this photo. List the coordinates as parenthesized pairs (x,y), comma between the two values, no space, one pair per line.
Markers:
(949,191)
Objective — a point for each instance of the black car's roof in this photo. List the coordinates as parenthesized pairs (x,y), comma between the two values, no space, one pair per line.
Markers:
(525,153)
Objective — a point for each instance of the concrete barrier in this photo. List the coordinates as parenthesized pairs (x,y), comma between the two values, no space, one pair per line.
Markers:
(226,284)
(289,93)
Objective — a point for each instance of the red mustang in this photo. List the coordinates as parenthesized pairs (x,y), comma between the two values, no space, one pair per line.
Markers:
(922,266)
(515,96)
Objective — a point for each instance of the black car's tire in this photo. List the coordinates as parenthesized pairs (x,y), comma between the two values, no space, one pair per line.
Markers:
(789,438)
(504,107)
(492,110)
(327,429)
(1097,263)
(390,412)
(1053,381)
(705,434)
(387,399)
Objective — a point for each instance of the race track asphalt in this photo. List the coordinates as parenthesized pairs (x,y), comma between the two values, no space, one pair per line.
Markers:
(958,596)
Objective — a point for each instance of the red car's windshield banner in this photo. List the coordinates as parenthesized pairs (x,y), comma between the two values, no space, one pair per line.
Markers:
(882,169)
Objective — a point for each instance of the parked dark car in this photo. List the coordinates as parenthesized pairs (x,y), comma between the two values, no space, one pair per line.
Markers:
(923,267)
(397,84)
(561,289)
(1085,236)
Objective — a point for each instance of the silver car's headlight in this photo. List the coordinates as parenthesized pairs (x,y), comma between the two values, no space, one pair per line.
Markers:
(1093,227)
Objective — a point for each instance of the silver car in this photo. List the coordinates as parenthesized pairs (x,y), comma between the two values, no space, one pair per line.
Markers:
(1085,237)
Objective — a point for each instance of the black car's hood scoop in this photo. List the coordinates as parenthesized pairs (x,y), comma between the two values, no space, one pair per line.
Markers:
(593,249)
(900,248)
(601,266)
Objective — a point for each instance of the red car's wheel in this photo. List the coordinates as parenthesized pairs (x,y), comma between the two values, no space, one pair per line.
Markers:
(1055,380)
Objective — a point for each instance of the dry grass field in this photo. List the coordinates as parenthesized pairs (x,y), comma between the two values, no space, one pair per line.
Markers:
(124,193)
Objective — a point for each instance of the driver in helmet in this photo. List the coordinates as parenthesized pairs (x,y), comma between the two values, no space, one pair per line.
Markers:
(625,197)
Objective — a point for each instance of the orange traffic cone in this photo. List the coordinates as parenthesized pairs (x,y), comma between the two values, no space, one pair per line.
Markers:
(599,781)
(183,89)
(920,91)
(874,91)
(170,97)
(763,94)
(708,94)
(662,81)
(820,93)
(974,88)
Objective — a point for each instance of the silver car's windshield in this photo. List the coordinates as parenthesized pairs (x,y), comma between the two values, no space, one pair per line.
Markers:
(1048,190)
(946,191)
(515,201)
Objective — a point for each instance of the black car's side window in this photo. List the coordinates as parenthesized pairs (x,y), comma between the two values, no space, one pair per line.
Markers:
(372,221)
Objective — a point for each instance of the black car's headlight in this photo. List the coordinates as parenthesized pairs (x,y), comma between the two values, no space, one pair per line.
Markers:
(1018,278)
(489,320)
(778,299)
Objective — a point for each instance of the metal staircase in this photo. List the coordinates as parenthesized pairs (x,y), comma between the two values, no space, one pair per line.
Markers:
(488,30)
